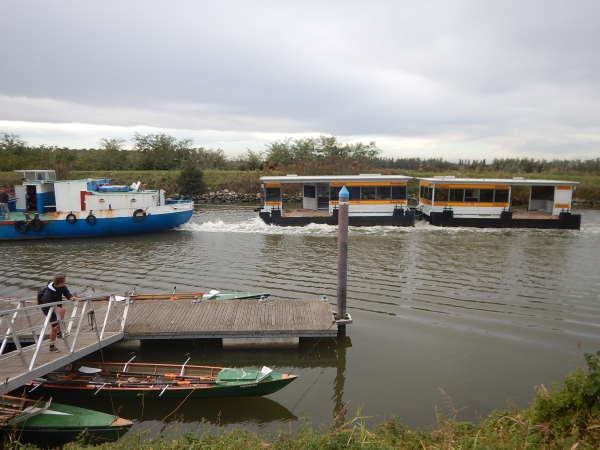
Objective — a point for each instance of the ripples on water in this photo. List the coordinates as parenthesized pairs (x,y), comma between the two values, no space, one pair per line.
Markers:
(483,314)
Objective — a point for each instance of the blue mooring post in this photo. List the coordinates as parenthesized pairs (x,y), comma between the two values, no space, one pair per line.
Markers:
(342,276)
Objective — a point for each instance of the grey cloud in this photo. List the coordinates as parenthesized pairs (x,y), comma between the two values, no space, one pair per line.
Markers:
(486,71)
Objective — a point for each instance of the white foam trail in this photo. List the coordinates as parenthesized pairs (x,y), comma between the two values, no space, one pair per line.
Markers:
(257,226)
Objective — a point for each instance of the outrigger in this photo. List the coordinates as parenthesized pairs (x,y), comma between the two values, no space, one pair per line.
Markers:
(447,201)
(374,200)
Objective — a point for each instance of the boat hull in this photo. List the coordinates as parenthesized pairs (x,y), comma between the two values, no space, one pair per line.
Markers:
(64,423)
(106,223)
(210,391)
(400,218)
(151,380)
(565,221)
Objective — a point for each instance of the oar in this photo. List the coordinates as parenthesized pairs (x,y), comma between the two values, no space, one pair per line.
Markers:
(100,388)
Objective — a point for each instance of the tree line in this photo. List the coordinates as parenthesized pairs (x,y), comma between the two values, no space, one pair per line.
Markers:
(310,156)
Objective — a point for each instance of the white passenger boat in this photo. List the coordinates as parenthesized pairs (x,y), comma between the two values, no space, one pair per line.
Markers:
(374,200)
(471,202)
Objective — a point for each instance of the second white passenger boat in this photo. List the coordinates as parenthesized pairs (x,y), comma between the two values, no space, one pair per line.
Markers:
(486,203)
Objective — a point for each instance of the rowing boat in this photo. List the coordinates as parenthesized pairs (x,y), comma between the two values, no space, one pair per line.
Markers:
(44,422)
(159,380)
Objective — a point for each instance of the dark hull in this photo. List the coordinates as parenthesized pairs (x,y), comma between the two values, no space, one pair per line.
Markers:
(210,391)
(400,218)
(566,221)
(43,436)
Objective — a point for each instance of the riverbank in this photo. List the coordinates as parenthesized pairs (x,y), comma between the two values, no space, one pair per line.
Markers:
(566,417)
(237,186)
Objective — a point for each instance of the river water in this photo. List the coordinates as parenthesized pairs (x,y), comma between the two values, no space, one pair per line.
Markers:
(447,320)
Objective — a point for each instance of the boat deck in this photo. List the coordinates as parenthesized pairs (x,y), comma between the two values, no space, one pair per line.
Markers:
(533,215)
(305,213)
(15,216)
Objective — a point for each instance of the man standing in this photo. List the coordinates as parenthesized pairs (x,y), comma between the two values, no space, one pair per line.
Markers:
(4,205)
(53,293)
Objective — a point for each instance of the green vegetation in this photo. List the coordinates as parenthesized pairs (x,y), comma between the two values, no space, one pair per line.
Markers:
(565,417)
(191,180)
(156,160)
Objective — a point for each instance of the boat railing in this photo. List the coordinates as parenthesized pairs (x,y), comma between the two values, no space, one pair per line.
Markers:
(21,325)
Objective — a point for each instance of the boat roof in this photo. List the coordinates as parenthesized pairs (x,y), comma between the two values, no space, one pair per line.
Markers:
(516,181)
(368,177)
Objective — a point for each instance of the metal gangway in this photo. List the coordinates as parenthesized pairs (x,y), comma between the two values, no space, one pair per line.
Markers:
(85,329)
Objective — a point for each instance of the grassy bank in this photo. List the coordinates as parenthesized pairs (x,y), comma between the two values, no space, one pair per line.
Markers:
(566,417)
(248,181)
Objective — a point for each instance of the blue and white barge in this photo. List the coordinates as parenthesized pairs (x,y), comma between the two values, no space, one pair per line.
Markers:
(49,208)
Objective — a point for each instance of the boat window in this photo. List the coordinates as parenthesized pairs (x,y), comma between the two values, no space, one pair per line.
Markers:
(273,194)
(501,196)
(471,195)
(426,192)
(354,192)
(441,195)
(368,193)
(486,195)
(334,192)
(542,192)
(399,192)
(310,191)
(384,192)
(456,195)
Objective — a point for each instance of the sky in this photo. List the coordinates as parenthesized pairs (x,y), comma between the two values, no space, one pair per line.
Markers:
(430,79)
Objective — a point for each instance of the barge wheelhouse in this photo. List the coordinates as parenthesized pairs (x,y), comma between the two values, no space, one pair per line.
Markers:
(486,203)
(374,200)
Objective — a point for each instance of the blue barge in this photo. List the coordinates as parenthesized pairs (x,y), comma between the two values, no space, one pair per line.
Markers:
(45,207)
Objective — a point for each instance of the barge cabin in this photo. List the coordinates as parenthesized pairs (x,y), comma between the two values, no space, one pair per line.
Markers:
(374,200)
(486,203)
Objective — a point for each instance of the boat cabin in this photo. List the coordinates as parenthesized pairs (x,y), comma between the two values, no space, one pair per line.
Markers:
(41,192)
(374,199)
(477,199)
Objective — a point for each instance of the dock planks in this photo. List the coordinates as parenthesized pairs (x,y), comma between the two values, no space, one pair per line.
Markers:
(183,319)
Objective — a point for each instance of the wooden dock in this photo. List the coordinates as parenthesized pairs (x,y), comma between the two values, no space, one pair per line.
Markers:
(273,318)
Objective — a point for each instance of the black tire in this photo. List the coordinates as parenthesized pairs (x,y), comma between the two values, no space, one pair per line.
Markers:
(139,215)
(36,225)
(71,219)
(91,219)
(21,226)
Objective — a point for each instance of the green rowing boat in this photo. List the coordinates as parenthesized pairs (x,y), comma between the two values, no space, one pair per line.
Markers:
(159,381)
(43,422)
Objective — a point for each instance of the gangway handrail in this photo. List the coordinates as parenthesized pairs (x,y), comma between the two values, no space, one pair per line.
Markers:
(10,316)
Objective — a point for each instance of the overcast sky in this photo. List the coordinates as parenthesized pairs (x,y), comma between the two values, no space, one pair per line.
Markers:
(451,79)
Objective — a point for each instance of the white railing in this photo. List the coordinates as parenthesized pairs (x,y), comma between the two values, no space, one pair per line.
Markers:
(18,324)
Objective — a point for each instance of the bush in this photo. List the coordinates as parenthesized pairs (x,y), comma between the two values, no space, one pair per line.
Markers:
(191,181)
